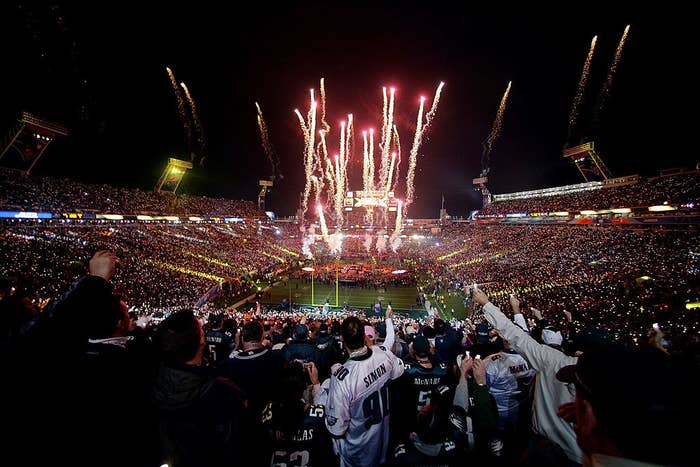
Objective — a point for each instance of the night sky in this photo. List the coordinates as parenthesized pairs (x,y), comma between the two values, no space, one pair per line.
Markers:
(100,70)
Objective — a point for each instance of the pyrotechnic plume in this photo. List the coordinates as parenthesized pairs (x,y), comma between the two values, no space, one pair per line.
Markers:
(182,112)
(413,156)
(371,159)
(308,128)
(335,242)
(495,132)
(322,221)
(332,176)
(268,148)
(397,169)
(324,124)
(381,241)
(197,123)
(365,162)
(317,186)
(580,91)
(368,242)
(339,184)
(391,174)
(607,86)
(395,239)
(386,139)
(308,240)
(433,109)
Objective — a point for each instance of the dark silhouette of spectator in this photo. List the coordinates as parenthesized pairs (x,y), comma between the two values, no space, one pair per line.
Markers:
(630,407)
(202,419)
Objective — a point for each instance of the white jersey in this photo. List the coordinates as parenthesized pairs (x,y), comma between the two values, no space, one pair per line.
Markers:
(358,406)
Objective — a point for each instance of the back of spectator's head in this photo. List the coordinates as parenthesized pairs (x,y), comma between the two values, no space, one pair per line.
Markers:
(440,327)
(301,332)
(632,401)
(252,331)
(353,332)
(482,333)
(215,321)
(429,332)
(421,346)
(107,319)
(592,338)
(179,337)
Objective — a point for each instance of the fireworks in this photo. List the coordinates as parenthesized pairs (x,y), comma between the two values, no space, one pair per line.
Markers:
(605,92)
(267,145)
(495,132)
(181,109)
(413,156)
(573,115)
(196,120)
(386,137)
(332,175)
(433,109)
(395,239)
(322,221)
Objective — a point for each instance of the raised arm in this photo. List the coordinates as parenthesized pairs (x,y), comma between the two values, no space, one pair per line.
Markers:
(540,356)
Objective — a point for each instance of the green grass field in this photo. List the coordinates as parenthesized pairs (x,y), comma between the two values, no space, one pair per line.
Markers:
(401,298)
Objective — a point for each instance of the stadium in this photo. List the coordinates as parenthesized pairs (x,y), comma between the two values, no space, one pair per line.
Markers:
(335,319)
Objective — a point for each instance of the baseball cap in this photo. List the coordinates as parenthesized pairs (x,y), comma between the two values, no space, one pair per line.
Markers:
(482,333)
(369,331)
(550,336)
(421,346)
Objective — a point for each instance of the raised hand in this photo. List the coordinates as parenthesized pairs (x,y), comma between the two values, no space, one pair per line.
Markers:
(103,264)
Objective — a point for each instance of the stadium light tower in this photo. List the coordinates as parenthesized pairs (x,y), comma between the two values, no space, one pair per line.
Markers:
(172,175)
(27,141)
(588,162)
(265,186)
(480,185)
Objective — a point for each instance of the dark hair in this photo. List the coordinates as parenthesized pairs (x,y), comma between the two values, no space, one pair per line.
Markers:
(433,420)
(291,406)
(353,332)
(252,331)
(178,337)
(440,327)
(102,321)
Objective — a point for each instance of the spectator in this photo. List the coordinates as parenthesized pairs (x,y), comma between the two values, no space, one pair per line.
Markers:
(202,419)
(549,392)
(358,413)
(628,408)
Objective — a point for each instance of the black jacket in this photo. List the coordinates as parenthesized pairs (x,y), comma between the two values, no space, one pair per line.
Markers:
(201,418)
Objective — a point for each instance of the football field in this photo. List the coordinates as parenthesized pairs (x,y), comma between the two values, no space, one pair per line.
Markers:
(299,292)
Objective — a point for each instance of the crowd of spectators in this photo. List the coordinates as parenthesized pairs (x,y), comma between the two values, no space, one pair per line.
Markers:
(45,194)
(576,349)
(162,266)
(674,189)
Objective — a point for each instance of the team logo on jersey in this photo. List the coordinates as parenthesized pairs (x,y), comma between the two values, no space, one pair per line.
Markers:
(331,420)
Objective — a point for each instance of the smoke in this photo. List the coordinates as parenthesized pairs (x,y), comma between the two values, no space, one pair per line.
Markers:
(381,241)
(395,242)
(368,242)
(308,241)
(335,242)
